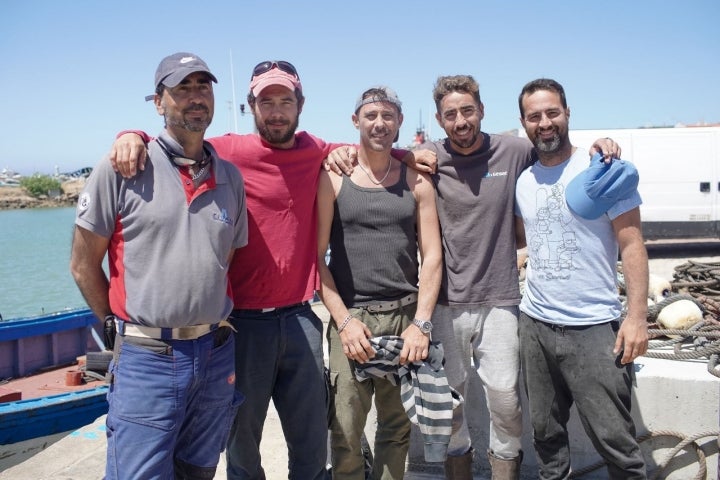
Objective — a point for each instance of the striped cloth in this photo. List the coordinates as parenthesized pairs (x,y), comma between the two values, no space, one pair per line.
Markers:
(428,399)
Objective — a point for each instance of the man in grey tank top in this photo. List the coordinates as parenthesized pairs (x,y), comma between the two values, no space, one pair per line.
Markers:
(375,221)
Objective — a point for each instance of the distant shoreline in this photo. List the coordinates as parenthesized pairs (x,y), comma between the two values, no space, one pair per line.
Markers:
(16,198)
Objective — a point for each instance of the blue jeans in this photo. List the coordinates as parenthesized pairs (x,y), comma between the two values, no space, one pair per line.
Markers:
(566,365)
(171,406)
(279,356)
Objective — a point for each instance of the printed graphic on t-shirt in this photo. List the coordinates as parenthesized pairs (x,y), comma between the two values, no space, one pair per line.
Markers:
(551,238)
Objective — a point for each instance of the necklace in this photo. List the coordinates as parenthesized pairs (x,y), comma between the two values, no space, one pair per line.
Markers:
(199,173)
(371,177)
(204,163)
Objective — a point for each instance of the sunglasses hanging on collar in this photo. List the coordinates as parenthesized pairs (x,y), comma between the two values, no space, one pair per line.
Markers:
(181,161)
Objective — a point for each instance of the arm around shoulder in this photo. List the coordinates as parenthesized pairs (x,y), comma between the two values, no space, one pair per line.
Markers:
(129,152)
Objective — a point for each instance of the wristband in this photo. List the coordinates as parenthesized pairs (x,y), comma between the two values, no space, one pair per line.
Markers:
(344,323)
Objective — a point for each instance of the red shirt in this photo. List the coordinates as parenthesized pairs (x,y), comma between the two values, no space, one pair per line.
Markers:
(278,265)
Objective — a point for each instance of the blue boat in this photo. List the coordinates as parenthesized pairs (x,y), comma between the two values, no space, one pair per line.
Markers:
(30,344)
(40,417)
(41,348)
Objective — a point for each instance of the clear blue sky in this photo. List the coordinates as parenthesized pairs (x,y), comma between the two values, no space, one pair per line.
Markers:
(74,73)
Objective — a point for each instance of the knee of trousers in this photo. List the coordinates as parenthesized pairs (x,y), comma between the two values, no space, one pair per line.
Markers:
(505,411)
(187,471)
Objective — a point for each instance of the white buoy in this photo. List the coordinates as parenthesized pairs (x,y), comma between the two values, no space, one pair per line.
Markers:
(680,315)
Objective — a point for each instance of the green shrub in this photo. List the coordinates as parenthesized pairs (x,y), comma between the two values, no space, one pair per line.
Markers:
(38,185)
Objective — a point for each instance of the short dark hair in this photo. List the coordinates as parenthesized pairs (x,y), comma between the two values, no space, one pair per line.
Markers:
(446,85)
(541,84)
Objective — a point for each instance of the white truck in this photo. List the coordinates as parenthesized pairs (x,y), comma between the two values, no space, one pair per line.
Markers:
(679,177)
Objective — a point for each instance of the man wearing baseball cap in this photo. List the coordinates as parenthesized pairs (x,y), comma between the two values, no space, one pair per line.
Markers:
(174,68)
(575,345)
(170,235)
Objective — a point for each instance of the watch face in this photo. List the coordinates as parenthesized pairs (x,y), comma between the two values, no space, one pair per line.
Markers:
(424,326)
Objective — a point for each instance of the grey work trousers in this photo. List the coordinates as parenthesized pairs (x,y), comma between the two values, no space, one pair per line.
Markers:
(563,365)
(483,340)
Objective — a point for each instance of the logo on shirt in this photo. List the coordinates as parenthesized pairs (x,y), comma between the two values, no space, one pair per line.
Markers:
(222,217)
(84,202)
(496,174)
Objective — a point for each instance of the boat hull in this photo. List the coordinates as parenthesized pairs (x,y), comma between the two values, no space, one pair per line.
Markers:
(42,416)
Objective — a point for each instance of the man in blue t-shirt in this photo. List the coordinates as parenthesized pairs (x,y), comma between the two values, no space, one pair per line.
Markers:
(574,345)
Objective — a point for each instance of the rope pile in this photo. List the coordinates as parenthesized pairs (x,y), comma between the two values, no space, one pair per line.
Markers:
(702,281)
(699,283)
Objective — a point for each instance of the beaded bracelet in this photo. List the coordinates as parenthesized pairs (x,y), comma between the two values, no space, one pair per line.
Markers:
(344,323)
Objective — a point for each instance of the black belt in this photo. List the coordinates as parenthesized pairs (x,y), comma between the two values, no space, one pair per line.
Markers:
(271,310)
(557,327)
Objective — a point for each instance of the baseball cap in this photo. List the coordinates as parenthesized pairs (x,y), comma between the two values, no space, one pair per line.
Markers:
(367,97)
(274,74)
(597,188)
(174,68)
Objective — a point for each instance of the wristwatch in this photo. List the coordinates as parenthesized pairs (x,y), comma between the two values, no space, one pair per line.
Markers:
(425,326)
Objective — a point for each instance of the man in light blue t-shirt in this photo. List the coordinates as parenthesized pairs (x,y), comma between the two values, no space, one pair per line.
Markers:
(574,345)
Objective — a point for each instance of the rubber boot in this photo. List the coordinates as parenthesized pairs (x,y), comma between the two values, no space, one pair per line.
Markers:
(459,467)
(505,469)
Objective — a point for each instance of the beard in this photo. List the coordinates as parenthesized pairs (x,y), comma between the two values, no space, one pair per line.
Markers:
(552,145)
(270,134)
(188,121)
(466,142)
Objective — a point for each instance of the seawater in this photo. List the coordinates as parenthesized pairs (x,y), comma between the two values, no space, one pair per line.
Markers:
(35,262)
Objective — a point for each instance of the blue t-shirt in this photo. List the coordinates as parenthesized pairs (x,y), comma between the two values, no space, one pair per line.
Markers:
(571,273)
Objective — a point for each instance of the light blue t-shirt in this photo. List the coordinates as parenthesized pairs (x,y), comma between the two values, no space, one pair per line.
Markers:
(571,272)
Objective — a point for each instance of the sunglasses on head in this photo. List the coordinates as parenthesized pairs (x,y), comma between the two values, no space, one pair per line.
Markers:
(268,65)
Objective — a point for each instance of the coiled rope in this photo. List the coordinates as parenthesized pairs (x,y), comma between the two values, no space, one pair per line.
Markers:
(699,283)
(685,441)
(698,279)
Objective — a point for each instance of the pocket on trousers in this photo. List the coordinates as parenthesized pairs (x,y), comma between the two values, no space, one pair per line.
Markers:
(160,347)
(144,390)
(221,373)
